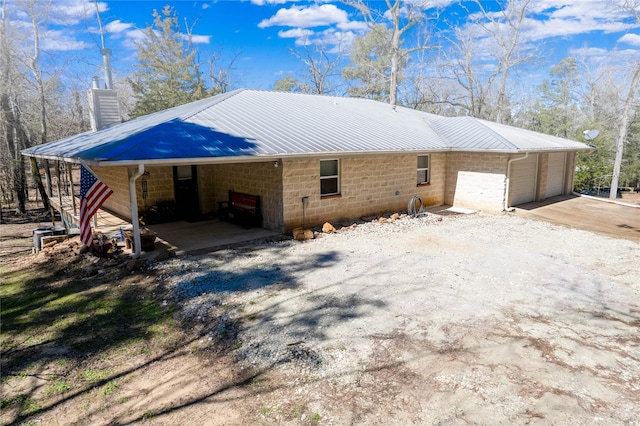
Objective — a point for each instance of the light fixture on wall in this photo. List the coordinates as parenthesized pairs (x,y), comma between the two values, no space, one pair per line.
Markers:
(143,183)
(276,164)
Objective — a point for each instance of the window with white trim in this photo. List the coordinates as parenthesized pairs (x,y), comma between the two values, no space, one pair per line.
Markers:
(329,177)
(423,169)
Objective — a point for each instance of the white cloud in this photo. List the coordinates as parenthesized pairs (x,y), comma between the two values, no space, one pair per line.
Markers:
(200,39)
(68,24)
(632,39)
(588,52)
(263,2)
(136,35)
(295,33)
(313,16)
(354,25)
(116,27)
(196,39)
(340,33)
(72,12)
(59,41)
(603,57)
(340,40)
(133,37)
(565,18)
(539,30)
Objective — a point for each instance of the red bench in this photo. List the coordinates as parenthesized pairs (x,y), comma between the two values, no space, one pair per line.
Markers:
(241,208)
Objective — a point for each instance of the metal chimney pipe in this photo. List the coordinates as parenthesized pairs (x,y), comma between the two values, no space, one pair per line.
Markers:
(95,82)
(106,62)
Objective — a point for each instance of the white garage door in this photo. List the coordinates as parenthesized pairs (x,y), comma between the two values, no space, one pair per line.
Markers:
(523,180)
(555,174)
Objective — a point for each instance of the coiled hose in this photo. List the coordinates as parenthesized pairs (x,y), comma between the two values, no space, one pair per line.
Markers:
(415,207)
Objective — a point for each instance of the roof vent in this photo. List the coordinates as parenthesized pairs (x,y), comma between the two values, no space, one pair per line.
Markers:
(106,61)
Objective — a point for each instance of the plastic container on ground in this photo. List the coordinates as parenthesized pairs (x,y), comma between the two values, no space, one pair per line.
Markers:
(46,231)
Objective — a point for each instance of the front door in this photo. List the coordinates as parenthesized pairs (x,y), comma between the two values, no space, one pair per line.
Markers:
(185,184)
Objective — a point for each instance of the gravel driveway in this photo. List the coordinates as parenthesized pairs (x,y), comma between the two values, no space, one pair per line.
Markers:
(488,319)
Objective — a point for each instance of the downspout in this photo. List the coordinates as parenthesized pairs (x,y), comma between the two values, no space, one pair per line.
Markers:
(133,199)
(506,188)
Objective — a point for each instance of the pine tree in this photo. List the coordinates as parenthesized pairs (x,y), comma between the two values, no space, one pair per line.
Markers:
(167,74)
(370,65)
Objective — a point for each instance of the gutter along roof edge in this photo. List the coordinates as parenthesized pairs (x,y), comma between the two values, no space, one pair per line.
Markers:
(271,157)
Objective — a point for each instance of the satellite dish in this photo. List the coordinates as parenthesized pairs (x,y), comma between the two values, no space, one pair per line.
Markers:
(590,134)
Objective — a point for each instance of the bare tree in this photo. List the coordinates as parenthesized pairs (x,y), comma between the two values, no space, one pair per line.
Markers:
(622,133)
(505,30)
(633,8)
(38,13)
(630,6)
(14,182)
(427,90)
(465,69)
(220,73)
(483,55)
(402,16)
(321,67)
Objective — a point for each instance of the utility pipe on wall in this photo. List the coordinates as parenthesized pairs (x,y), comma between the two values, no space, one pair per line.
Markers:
(133,199)
(506,187)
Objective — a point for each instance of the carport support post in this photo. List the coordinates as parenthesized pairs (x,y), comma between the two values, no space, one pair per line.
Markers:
(133,199)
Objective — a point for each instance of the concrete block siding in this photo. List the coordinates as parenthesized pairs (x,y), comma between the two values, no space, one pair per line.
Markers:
(476,181)
(116,178)
(214,181)
(369,184)
(159,188)
(262,178)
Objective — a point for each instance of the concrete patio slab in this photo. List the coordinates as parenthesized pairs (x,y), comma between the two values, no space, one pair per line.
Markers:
(205,236)
(601,216)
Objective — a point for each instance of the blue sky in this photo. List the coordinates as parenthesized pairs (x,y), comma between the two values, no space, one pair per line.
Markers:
(262,32)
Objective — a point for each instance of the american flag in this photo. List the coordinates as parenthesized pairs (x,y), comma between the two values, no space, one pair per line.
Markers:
(93,193)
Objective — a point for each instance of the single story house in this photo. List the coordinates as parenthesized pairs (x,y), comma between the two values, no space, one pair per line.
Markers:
(316,158)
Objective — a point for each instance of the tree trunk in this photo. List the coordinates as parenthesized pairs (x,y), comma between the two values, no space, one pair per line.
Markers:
(20,180)
(37,75)
(395,63)
(622,134)
(38,180)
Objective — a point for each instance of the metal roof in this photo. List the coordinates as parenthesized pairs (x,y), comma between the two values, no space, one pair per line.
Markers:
(528,140)
(257,125)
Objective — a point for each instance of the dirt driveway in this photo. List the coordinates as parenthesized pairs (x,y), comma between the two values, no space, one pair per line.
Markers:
(438,320)
(469,320)
(601,216)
